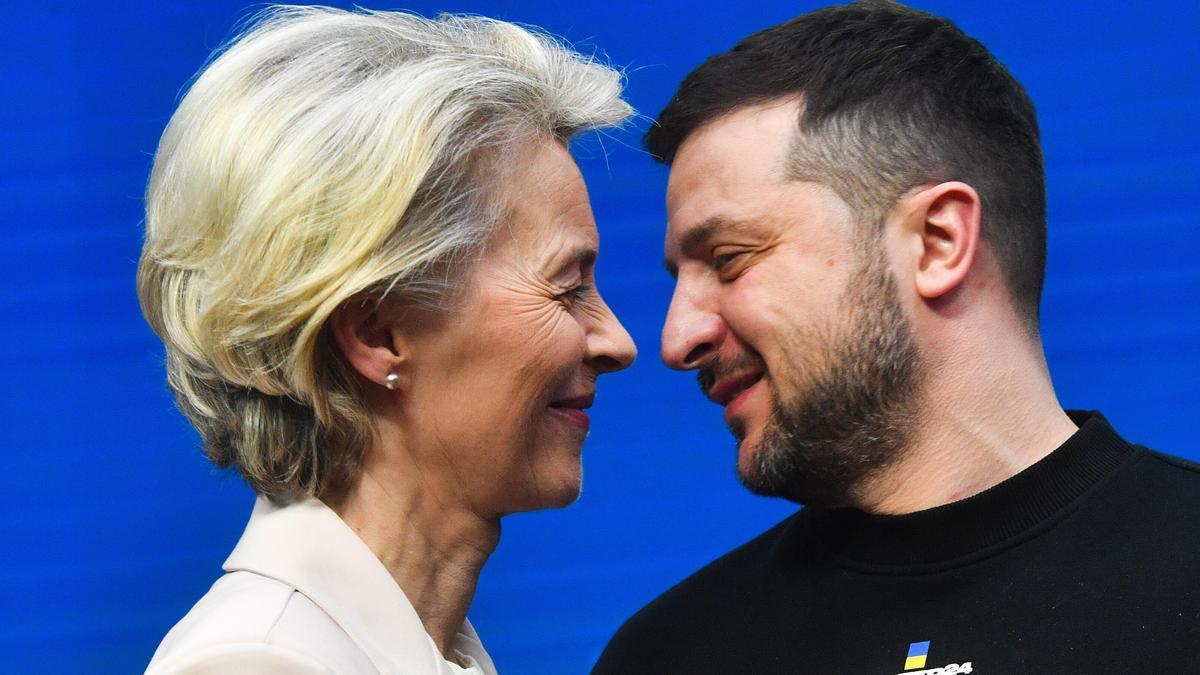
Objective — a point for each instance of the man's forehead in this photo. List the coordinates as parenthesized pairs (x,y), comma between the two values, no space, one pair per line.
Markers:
(771,116)
(740,150)
(764,129)
(724,171)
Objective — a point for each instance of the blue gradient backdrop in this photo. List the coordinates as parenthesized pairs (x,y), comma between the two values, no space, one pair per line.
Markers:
(113,524)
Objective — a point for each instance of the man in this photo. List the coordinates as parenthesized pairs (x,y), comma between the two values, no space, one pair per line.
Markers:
(856,225)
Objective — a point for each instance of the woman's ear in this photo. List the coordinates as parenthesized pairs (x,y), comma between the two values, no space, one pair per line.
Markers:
(370,343)
(945,219)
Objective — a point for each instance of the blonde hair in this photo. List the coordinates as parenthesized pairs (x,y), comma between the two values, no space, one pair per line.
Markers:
(322,156)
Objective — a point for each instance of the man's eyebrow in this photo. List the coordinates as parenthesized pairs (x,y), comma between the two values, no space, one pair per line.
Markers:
(698,235)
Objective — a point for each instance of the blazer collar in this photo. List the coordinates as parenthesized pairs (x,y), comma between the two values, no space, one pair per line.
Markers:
(306,545)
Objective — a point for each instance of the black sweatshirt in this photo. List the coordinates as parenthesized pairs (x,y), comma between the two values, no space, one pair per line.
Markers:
(1087,562)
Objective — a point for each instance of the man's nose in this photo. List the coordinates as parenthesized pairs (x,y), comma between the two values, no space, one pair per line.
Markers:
(691,332)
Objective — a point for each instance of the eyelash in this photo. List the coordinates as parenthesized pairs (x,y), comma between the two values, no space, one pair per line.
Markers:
(575,292)
(719,262)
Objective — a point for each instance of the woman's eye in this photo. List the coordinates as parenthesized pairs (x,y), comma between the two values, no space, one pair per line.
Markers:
(576,292)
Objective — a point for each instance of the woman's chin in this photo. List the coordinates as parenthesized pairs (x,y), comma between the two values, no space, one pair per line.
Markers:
(554,493)
(562,492)
(567,496)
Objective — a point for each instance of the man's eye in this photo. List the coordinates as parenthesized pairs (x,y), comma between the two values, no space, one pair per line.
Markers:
(720,262)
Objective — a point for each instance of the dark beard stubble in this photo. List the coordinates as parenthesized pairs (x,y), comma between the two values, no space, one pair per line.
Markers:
(854,417)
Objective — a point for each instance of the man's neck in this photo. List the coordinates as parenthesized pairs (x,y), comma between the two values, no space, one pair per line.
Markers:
(987,414)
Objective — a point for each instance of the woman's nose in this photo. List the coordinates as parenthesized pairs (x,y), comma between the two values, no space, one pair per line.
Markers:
(610,348)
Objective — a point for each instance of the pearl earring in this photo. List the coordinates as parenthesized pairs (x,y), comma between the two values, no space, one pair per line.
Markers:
(391,381)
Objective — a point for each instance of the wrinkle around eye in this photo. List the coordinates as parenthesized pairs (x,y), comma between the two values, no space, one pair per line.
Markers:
(538,314)
(575,294)
(732,267)
(729,263)
(531,285)
(722,260)
(592,307)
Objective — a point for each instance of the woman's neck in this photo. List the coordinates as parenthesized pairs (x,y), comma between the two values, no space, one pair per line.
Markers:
(433,549)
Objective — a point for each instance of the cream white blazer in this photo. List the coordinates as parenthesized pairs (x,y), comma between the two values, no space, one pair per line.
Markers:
(303,594)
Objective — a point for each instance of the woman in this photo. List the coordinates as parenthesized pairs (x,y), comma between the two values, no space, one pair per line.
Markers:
(369,255)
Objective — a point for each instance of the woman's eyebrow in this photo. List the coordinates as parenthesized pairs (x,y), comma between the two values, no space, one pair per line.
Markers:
(583,254)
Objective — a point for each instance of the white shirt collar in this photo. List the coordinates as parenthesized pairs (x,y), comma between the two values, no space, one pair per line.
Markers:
(307,546)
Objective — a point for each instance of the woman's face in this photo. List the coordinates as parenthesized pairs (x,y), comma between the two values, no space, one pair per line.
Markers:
(498,390)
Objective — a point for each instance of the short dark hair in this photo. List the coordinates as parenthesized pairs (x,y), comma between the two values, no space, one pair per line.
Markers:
(891,98)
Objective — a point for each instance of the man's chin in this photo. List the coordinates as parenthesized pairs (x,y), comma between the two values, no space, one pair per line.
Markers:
(749,469)
(747,451)
(776,476)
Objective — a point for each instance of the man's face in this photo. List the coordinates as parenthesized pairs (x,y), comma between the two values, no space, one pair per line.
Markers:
(785,305)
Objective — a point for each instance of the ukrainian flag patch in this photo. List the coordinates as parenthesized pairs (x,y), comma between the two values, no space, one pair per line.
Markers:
(917,653)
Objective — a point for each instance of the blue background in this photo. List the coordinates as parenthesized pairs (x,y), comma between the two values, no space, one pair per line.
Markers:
(112,522)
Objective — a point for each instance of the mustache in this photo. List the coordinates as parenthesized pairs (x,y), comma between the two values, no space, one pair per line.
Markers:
(716,369)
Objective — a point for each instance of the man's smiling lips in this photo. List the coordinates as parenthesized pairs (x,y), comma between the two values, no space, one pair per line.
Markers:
(728,390)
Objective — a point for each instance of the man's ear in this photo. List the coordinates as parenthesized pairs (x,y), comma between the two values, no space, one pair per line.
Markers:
(945,220)
(370,344)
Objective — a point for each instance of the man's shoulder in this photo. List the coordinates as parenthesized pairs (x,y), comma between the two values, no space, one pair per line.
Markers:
(728,573)
(1180,468)
(1163,488)
(1143,520)
(1174,481)
(1134,482)
(678,620)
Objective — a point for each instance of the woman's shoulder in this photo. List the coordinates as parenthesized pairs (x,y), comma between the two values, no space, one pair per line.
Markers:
(254,623)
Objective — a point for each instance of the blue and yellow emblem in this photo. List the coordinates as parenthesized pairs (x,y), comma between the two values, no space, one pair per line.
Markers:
(917,653)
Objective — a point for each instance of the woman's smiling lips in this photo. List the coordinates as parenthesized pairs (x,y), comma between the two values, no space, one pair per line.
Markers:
(572,410)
